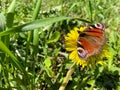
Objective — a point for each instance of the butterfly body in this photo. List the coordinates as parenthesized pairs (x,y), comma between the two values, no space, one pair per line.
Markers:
(90,41)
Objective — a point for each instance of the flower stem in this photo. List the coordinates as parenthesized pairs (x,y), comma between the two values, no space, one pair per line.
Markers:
(66,79)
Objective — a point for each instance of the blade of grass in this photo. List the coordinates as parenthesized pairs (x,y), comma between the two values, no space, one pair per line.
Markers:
(71,8)
(35,33)
(35,14)
(35,39)
(67,77)
(14,60)
(2,22)
(10,14)
(33,25)
(9,21)
(91,12)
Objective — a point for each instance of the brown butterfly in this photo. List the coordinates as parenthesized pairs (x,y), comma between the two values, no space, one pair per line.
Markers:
(91,40)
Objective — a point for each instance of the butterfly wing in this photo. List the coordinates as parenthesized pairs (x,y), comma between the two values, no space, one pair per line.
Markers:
(90,42)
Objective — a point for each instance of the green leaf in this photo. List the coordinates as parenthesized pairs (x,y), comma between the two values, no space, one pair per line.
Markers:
(47,62)
(55,37)
(49,72)
(91,82)
(56,51)
(34,25)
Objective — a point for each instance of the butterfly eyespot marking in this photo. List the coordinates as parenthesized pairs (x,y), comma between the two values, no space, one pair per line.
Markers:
(81,52)
(99,26)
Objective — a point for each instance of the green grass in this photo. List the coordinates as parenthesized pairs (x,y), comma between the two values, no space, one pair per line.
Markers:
(32,52)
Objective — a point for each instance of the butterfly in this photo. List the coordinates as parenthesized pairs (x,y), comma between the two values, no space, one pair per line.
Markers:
(91,40)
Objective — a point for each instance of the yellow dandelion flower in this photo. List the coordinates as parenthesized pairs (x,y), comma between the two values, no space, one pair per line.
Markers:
(71,45)
(71,40)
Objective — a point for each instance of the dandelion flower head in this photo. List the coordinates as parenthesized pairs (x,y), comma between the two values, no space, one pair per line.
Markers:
(71,40)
